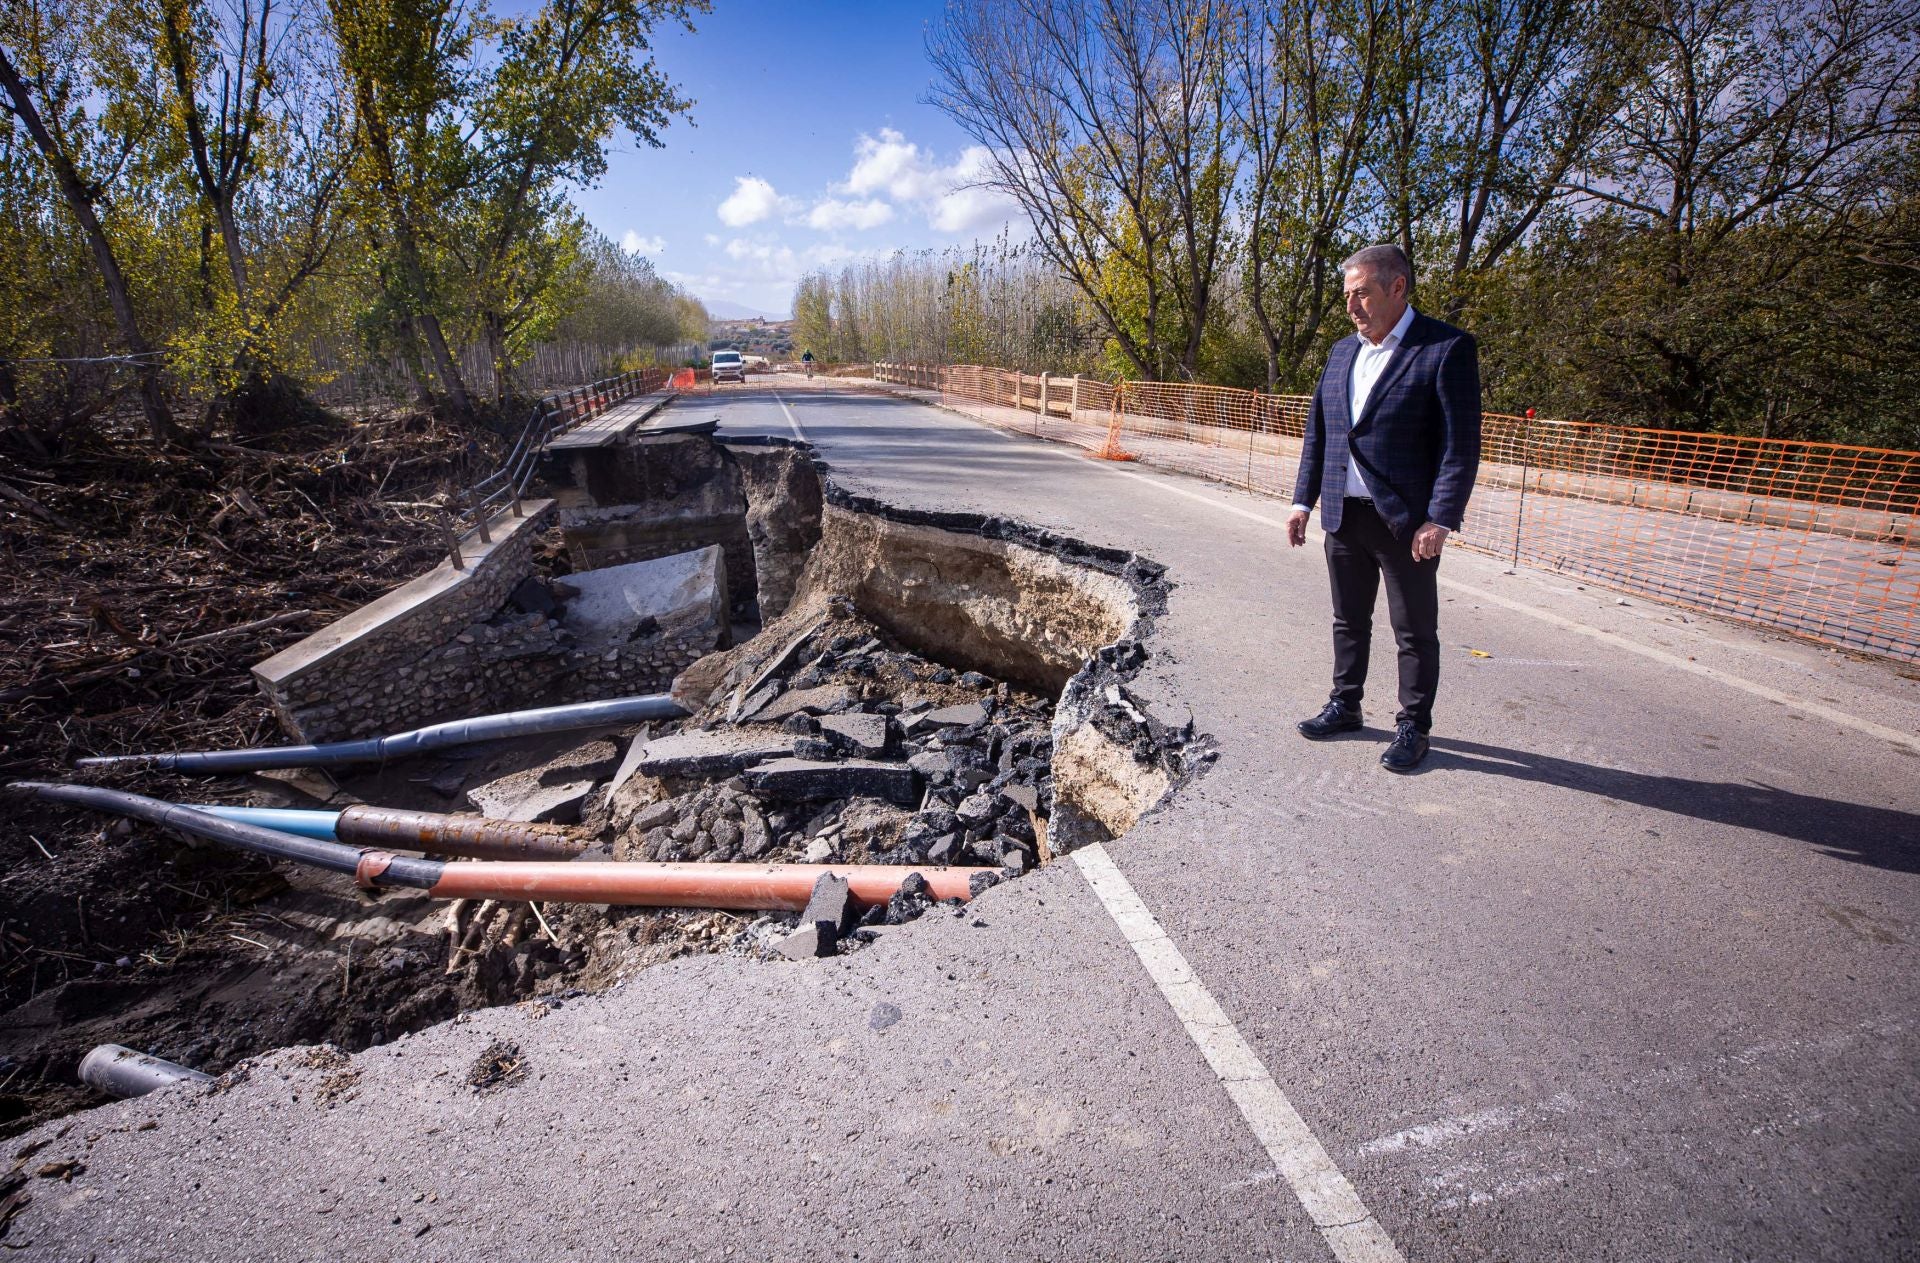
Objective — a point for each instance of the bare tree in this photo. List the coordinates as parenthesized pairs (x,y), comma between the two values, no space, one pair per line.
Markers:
(1487,105)
(1309,72)
(1752,109)
(1109,122)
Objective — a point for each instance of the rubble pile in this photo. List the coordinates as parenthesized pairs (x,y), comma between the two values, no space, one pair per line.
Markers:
(848,749)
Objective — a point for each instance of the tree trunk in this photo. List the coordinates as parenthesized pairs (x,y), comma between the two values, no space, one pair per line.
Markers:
(153,400)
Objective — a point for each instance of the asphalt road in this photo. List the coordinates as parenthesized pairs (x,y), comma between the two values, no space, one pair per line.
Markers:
(1628,973)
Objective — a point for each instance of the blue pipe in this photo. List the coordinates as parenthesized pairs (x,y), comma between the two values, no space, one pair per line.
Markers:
(521,723)
(300,823)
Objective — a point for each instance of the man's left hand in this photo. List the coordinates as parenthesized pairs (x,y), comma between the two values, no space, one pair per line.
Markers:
(1428,541)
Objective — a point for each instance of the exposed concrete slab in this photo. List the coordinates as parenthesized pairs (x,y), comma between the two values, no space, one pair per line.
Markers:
(867,734)
(404,602)
(682,592)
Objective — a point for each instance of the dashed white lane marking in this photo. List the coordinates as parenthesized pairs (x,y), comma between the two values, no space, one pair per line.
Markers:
(1329,1199)
(1677,661)
(791,419)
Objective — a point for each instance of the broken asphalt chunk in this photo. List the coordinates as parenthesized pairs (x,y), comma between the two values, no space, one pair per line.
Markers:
(826,699)
(804,779)
(830,905)
(722,752)
(865,734)
(807,943)
(963,716)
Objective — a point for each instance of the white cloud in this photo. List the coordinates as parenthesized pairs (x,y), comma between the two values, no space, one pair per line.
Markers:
(952,197)
(634,243)
(751,201)
(712,239)
(892,164)
(967,204)
(832,214)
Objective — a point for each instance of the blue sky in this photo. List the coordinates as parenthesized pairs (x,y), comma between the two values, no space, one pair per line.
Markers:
(809,146)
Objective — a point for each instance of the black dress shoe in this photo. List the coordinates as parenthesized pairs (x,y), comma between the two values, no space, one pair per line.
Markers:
(1332,719)
(1409,748)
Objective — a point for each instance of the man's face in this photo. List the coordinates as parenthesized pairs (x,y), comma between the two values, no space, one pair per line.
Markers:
(1373,303)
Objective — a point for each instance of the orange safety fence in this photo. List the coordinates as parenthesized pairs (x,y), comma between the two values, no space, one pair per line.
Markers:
(1816,539)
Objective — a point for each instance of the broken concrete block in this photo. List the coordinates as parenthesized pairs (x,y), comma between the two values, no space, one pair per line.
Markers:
(756,838)
(653,815)
(759,700)
(963,716)
(523,796)
(806,943)
(814,748)
(935,765)
(975,809)
(1025,797)
(684,594)
(721,752)
(826,699)
(594,761)
(945,849)
(804,779)
(830,905)
(866,734)
(818,851)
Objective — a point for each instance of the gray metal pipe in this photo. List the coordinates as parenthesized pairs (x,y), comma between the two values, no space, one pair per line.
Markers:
(458,732)
(399,870)
(123,1072)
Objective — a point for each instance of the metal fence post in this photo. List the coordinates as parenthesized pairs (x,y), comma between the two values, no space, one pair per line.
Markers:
(452,540)
(1526,467)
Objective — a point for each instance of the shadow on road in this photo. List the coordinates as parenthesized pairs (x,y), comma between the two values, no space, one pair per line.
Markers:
(1879,836)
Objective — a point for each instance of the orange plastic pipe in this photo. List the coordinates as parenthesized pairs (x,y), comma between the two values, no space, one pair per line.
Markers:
(767,887)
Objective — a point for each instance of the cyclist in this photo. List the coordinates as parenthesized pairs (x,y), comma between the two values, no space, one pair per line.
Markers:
(806,358)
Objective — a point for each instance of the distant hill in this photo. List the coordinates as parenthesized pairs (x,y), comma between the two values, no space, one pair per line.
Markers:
(734,311)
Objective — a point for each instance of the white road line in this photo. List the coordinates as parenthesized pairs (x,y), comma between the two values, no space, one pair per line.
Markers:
(791,419)
(1677,661)
(1329,1199)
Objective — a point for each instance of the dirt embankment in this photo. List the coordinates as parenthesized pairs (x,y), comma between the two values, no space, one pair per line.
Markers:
(137,589)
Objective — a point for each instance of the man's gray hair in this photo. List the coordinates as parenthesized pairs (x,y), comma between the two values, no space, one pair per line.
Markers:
(1385,262)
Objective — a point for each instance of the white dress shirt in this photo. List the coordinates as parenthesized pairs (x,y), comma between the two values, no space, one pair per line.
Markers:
(1368,363)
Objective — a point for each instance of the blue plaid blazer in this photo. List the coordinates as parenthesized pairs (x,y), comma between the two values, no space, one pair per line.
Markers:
(1417,442)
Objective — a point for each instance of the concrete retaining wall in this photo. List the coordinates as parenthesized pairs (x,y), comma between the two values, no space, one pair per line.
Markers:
(447,645)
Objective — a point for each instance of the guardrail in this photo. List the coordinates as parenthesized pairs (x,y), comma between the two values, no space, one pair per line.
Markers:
(1815,539)
(552,416)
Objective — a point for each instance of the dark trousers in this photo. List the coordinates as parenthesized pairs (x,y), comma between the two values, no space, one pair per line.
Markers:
(1358,555)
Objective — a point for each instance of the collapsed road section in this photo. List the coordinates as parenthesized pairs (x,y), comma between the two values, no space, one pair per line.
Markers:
(930,705)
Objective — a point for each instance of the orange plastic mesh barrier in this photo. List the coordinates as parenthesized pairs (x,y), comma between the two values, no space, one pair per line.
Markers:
(1816,539)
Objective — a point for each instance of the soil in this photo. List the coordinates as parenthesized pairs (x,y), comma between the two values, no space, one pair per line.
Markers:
(124,574)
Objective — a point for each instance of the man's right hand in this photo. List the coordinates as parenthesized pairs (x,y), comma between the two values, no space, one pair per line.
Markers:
(1297,527)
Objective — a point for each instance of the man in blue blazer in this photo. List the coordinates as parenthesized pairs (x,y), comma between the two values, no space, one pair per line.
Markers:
(1392,447)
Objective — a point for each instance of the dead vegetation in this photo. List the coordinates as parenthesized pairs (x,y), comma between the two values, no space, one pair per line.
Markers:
(136,590)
